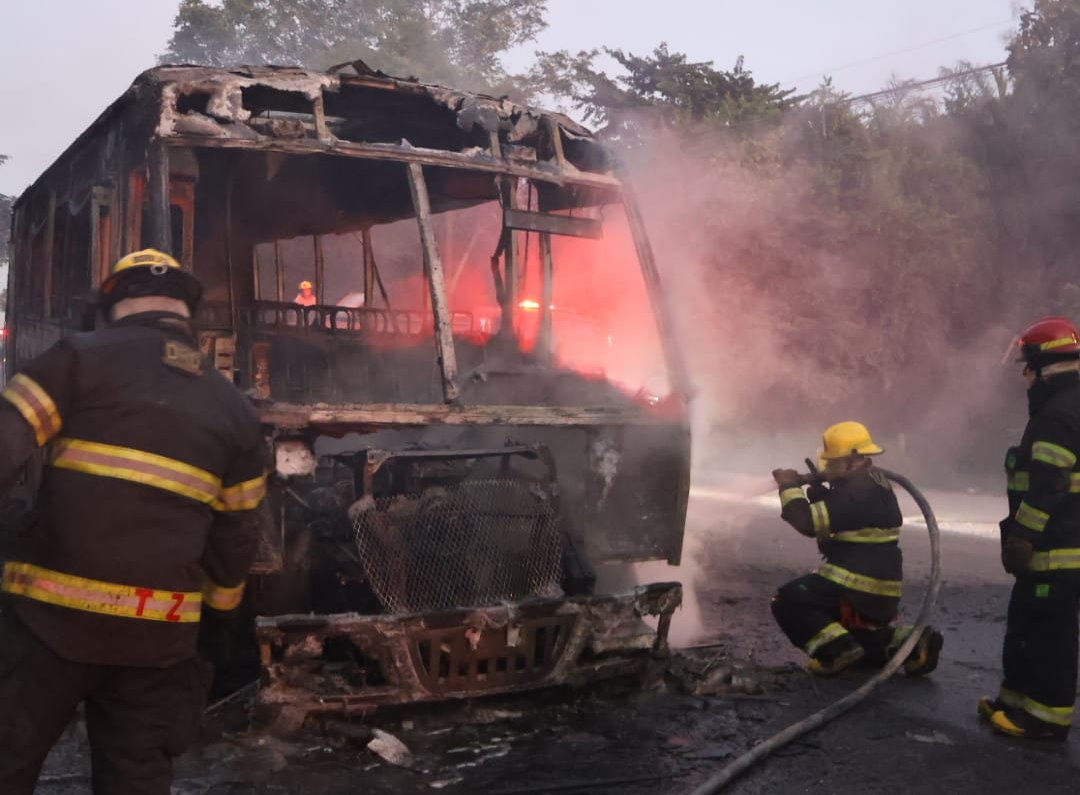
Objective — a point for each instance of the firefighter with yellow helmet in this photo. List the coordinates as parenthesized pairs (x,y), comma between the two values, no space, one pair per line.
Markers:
(845,611)
(144,518)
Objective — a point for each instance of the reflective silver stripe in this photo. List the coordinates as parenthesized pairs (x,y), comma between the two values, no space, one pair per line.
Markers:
(827,635)
(1032,518)
(819,513)
(1053,454)
(1059,716)
(790,495)
(1055,559)
(868,535)
(860,582)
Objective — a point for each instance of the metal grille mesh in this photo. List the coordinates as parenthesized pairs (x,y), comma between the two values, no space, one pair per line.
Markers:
(477,543)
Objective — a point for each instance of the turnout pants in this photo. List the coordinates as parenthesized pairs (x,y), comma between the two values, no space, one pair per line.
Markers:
(137,719)
(1039,656)
(824,618)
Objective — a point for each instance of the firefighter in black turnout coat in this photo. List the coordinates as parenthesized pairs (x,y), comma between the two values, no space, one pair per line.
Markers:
(844,611)
(1041,543)
(145,516)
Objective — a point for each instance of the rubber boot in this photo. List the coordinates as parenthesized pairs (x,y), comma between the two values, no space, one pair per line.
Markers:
(1017,723)
(924,657)
(988,706)
(832,658)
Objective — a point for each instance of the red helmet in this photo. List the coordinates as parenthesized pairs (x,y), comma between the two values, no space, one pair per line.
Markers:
(1048,339)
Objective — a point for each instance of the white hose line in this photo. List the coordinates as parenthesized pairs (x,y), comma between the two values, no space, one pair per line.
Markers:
(725,775)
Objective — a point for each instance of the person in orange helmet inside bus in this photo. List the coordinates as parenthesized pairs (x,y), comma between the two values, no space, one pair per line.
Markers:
(306,296)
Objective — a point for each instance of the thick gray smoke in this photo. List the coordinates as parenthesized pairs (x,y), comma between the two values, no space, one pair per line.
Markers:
(792,318)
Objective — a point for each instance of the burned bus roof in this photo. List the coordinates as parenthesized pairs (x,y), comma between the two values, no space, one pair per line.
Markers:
(348,110)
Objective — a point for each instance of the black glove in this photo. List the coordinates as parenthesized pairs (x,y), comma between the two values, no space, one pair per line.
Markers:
(817,492)
(786,478)
(1016,555)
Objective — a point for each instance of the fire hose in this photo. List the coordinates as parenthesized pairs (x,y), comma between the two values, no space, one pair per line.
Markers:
(729,772)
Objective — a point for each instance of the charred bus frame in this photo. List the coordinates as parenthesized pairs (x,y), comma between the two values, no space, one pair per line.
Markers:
(210,163)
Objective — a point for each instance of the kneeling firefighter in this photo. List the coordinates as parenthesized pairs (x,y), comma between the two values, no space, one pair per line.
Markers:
(145,515)
(845,611)
(1040,543)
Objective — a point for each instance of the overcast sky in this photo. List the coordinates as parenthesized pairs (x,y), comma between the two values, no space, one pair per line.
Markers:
(63,61)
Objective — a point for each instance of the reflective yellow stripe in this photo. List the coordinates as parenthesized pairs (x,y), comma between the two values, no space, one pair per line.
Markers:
(1021,481)
(221,598)
(790,495)
(1053,454)
(1060,716)
(138,466)
(244,496)
(860,582)
(1032,518)
(868,535)
(827,635)
(1056,559)
(1058,343)
(35,405)
(819,513)
(95,596)
(1010,698)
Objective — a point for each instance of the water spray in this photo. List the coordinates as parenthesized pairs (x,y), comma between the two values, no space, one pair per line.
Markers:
(728,773)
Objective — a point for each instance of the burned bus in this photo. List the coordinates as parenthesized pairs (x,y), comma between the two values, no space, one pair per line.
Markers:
(446,312)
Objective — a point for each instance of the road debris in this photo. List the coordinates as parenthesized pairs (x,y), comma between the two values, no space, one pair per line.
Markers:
(390,749)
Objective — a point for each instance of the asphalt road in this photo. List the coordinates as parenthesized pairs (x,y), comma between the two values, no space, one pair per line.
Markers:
(912,736)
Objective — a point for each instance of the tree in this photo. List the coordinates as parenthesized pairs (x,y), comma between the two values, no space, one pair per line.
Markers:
(664,89)
(459,42)
(5,224)
(1036,144)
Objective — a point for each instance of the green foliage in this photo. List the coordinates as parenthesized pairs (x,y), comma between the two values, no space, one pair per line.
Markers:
(5,224)
(453,41)
(663,89)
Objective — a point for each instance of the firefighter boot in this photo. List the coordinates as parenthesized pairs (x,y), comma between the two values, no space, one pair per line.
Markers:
(988,706)
(1017,723)
(924,657)
(834,657)
(1005,699)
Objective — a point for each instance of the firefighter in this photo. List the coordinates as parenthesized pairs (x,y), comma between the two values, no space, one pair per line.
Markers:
(1040,543)
(306,296)
(844,611)
(144,517)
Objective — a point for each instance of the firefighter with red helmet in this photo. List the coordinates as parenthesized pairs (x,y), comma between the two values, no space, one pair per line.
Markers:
(1040,543)
(844,612)
(145,516)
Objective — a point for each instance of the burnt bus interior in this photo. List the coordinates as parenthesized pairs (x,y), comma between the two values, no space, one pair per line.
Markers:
(482,404)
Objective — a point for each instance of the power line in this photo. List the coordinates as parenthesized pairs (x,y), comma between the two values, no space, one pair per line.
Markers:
(940,80)
(903,51)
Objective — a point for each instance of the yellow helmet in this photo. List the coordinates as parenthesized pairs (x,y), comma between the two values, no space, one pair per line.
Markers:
(149,272)
(845,438)
(306,285)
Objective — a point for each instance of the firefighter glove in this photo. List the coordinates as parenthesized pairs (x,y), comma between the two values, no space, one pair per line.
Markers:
(786,478)
(1016,555)
(817,492)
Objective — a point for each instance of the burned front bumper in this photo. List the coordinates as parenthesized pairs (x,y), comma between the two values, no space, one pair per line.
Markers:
(352,664)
